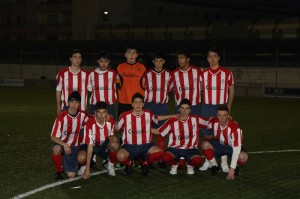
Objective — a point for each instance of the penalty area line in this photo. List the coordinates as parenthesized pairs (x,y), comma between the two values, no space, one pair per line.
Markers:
(48,186)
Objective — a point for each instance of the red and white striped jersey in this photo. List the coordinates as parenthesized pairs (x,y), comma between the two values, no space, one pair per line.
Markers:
(215,85)
(67,127)
(102,84)
(136,128)
(230,135)
(96,134)
(183,134)
(157,86)
(67,82)
(187,84)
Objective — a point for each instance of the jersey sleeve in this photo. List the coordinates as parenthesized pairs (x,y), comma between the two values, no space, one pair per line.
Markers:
(59,80)
(203,122)
(86,134)
(56,130)
(230,79)
(120,125)
(165,128)
(154,119)
(90,83)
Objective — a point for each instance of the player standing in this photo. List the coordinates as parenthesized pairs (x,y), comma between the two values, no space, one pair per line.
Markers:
(218,88)
(71,79)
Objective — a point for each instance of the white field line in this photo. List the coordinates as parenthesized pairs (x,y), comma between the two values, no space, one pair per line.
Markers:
(48,186)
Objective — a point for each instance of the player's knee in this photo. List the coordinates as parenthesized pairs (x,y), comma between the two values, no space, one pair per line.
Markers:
(121,155)
(205,145)
(71,174)
(196,161)
(81,157)
(56,150)
(243,157)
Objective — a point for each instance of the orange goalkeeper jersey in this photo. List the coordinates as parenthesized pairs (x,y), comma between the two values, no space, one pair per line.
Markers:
(131,76)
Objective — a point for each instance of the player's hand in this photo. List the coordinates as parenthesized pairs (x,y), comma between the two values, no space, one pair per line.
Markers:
(67,149)
(230,175)
(86,173)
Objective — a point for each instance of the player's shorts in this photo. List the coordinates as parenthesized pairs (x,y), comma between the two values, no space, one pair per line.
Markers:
(195,110)
(111,108)
(185,153)
(157,109)
(137,150)
(221,149)
(100,150)
(208,110)
(70,163)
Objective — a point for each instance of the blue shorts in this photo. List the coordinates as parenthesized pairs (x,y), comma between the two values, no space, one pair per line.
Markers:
(110,108)
(195,110)
(157,109)
(208,110)
(221,149)
(186,153)
(137,150)
(70,163)
(100,150)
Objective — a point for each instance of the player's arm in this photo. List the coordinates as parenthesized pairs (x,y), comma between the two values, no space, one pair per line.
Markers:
(230,97)
(58,101)
(86,173)
(165,117)
(234,159)
(155,131)
(63,144)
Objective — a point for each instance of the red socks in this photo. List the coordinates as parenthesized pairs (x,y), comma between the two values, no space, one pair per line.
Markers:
(209,154)
(154,157)
(196,161)
(57,162)
(161,143)
(168,159)
(113,156)
(126,162)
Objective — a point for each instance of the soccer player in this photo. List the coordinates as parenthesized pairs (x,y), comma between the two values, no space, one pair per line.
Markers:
(157,88)
(71,79)
(186,82)
(130,73)
(136,128)
(102,84)
(218,88)
(99,139)
(183,138)
(227,141)
(65,137)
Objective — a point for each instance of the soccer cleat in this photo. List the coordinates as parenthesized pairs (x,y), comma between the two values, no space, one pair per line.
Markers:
(190,169)
(225,168)
(173,170)
(128,169)
(162,165)
(237,171)
(59,176)
(214,170)
(145,170)
(104,164)
(111,169)
(81,170)
(205,166)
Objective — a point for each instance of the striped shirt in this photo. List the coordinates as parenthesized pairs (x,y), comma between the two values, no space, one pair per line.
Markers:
(136,128)
(215,85)
(102,84)
(96,134)
(67,127)
(157,86)
(183,134)
(67,82)
(187,84)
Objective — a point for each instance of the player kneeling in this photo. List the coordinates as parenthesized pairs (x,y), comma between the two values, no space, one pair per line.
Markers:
(100,140)
(183,134)
(65,134)
(227,141)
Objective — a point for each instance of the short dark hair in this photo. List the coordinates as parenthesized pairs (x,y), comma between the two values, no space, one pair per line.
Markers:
(185,101)
(74,96)
(214,49)
(223,107)
(137,95)
(103,55)
(158,55)
(100,105)
(74,51)
(184,52)
(131,47)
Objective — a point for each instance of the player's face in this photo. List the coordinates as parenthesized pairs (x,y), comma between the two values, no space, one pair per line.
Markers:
(138,105)
(213,59)
(103,63)
(73,106)
(223,117)
(131,55)
(101,114)
(183,61)
(158,63)
(184,110)
(76,59)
